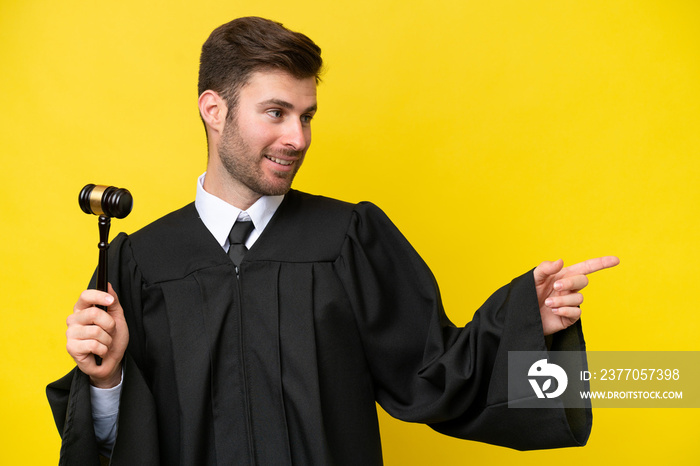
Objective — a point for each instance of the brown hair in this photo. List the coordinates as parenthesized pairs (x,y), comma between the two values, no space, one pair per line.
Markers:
(236,50)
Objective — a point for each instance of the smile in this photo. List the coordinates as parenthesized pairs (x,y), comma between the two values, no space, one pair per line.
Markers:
(280,161)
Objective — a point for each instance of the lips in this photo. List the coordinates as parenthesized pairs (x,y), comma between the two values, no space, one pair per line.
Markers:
(279,161)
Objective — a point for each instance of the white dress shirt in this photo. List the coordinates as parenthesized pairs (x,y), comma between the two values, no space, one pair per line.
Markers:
(218,216)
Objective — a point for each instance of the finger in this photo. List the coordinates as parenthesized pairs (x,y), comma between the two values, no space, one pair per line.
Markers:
(113,294)
(547,268)
(82,350)
(575,283)
(115,309)
(89,332)
(89,298)
(571,313)
(568,300)
(592,265)
(91,316)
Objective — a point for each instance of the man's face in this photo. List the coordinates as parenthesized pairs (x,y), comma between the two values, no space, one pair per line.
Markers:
(263,144)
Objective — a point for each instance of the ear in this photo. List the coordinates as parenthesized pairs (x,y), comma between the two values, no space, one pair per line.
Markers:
(213,110)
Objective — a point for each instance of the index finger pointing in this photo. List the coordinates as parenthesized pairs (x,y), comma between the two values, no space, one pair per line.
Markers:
(592,265)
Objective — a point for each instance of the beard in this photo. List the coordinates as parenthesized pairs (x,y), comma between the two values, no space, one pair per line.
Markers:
(245,166)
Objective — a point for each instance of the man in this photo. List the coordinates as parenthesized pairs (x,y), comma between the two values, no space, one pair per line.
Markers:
(270,344)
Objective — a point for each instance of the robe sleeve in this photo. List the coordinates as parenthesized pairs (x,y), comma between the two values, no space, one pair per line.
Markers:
(137,437)
(70,399)
(427,370)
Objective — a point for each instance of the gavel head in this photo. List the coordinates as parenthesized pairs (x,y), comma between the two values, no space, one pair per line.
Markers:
(105,200)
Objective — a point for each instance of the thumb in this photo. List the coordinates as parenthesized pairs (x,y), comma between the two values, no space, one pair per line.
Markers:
(114,306)
(546,269)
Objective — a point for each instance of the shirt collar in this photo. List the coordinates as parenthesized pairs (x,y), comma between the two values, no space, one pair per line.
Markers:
(219,216)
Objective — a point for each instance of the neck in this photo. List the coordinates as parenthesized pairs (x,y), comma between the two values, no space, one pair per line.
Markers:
(234,193)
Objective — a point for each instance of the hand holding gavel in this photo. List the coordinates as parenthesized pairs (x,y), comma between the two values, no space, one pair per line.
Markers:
(107,202)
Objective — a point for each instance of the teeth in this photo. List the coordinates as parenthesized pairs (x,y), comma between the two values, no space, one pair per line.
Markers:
(280,161)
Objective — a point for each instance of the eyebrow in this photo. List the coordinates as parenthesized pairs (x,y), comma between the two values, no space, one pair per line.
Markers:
(285,104)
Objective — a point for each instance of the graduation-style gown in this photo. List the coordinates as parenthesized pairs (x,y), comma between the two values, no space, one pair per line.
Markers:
(332,310)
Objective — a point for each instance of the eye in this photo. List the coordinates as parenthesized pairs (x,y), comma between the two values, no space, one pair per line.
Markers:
(275,113)
(306,118)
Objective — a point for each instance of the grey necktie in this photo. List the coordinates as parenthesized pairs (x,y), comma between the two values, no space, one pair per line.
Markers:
(239,233)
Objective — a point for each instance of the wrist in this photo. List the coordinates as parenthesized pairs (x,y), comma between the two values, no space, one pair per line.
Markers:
(111,381)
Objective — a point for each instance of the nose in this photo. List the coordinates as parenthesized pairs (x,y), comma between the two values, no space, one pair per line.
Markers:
(296,136)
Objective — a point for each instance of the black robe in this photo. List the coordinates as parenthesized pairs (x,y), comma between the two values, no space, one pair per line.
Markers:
(333,310)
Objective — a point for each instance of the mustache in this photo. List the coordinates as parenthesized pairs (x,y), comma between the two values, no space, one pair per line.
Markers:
(284,153)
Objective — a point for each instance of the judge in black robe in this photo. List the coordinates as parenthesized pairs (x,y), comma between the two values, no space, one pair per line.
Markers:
(333,310)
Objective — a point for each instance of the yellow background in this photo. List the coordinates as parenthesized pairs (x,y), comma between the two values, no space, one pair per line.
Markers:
(495,135)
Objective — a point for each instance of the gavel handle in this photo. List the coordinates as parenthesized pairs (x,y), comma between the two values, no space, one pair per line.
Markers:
(103,224)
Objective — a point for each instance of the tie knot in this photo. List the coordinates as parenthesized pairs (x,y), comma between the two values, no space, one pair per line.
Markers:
(240,232)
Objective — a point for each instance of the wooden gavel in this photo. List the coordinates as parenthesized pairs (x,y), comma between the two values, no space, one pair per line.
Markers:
(107,202)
